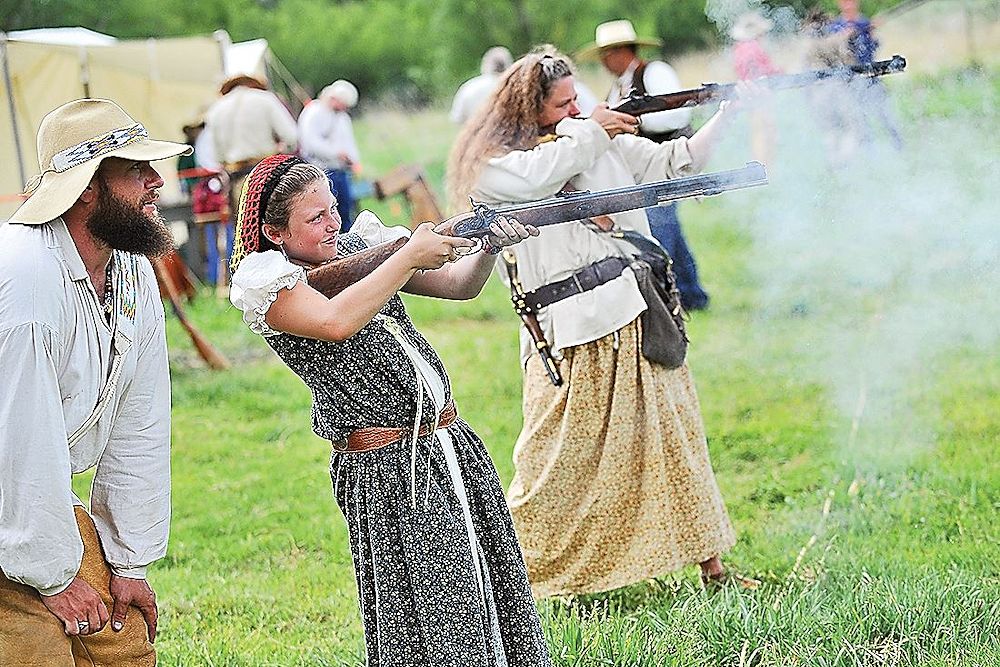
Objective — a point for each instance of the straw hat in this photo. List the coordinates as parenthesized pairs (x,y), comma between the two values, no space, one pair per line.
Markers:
(342,90)
(615,33)
(72,141)
(245,80)
(750,26)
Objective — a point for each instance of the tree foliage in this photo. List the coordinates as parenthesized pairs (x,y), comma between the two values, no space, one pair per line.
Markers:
(413,50)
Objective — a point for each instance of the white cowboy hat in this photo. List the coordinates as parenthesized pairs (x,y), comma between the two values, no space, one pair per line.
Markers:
(615,33)
(72,141)
(750,26)
(342,90)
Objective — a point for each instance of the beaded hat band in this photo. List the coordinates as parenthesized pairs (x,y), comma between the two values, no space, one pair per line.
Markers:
(72,142)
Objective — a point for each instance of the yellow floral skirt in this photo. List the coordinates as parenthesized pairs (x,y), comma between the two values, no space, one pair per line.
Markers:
(613,483)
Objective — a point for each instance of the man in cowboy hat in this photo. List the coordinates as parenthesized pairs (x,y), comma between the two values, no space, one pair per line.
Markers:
(86,385)
(617,46)
(326,139)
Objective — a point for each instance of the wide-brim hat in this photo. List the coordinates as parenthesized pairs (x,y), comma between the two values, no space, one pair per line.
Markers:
(72,141)
(614,33)
(750,26)
(244,79)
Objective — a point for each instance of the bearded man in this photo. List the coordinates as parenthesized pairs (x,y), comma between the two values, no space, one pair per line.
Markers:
(86,385)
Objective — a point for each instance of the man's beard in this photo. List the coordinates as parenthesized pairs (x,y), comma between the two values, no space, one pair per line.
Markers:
(124,226)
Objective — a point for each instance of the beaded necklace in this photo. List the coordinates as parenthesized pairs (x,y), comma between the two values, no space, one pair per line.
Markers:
(109,305)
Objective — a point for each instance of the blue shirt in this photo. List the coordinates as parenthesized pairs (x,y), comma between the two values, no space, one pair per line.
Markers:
(862,42)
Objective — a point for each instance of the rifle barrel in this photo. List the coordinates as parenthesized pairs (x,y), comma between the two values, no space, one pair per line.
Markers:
(333,277)
(637,105)
(581,205)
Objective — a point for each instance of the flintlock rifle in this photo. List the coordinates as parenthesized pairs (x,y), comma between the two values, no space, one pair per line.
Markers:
(637,105)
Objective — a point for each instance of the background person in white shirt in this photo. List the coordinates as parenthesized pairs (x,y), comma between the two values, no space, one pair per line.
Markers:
(618,48)
(247,124)
(81,325)
(326,139)
(473,93)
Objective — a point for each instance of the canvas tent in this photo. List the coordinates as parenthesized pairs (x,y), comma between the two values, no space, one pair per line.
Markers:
(163,83)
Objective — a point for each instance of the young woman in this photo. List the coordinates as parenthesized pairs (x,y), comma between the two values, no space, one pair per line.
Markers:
(613,482)
(440,576)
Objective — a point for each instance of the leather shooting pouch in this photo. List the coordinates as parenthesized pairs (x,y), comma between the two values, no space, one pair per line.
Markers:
(664,337)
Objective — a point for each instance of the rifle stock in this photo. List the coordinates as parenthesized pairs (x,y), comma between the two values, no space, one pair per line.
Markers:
(636,105)
(336,275)
(212,357)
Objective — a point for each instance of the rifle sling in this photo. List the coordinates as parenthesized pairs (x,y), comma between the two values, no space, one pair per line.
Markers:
(530,320)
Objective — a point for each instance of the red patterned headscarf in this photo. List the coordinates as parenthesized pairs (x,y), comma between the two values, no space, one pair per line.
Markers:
(249,236)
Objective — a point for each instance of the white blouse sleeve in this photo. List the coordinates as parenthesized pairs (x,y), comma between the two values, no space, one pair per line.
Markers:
(524,175)
(373,232)
(256,283)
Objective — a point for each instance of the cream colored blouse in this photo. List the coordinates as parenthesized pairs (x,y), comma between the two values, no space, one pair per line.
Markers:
(587,159)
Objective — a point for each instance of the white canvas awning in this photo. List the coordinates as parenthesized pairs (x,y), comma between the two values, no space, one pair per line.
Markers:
(162,83)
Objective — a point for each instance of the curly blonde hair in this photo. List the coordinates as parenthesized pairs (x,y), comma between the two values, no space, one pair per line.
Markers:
(508,121)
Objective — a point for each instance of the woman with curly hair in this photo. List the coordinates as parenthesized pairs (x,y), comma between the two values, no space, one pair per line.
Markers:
(613,482)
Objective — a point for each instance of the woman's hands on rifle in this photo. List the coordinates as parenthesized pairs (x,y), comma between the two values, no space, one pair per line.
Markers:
(614,122)
(467,272)
(426,249)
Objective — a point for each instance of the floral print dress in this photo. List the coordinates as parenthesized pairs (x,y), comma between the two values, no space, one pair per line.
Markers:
(441,579)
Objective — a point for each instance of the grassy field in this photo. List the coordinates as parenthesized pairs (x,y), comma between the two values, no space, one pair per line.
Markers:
(855,446)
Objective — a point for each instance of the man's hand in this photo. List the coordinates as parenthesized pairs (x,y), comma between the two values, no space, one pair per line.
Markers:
(614,122)
(79,607)
(135,592)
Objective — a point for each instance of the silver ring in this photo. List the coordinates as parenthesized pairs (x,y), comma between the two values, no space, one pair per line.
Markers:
(82,626)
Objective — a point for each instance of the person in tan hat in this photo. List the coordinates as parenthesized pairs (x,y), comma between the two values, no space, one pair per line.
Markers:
(86,385)
(247,124)
(326,139)
(751,61)
(617,46)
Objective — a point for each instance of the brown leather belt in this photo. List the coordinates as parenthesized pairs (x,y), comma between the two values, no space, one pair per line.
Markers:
(375,437)
(583,280)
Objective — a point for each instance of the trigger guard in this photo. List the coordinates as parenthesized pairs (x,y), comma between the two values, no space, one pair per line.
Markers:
(480,244)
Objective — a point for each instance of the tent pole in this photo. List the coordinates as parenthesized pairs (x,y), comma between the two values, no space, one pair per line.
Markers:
(85,71)
(223,40)
(301,94)
(9,86)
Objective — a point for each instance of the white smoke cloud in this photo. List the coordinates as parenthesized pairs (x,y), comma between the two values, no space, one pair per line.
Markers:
(725,13)
(882,261)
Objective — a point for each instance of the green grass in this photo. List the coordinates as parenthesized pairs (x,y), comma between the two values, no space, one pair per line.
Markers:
(865,493)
